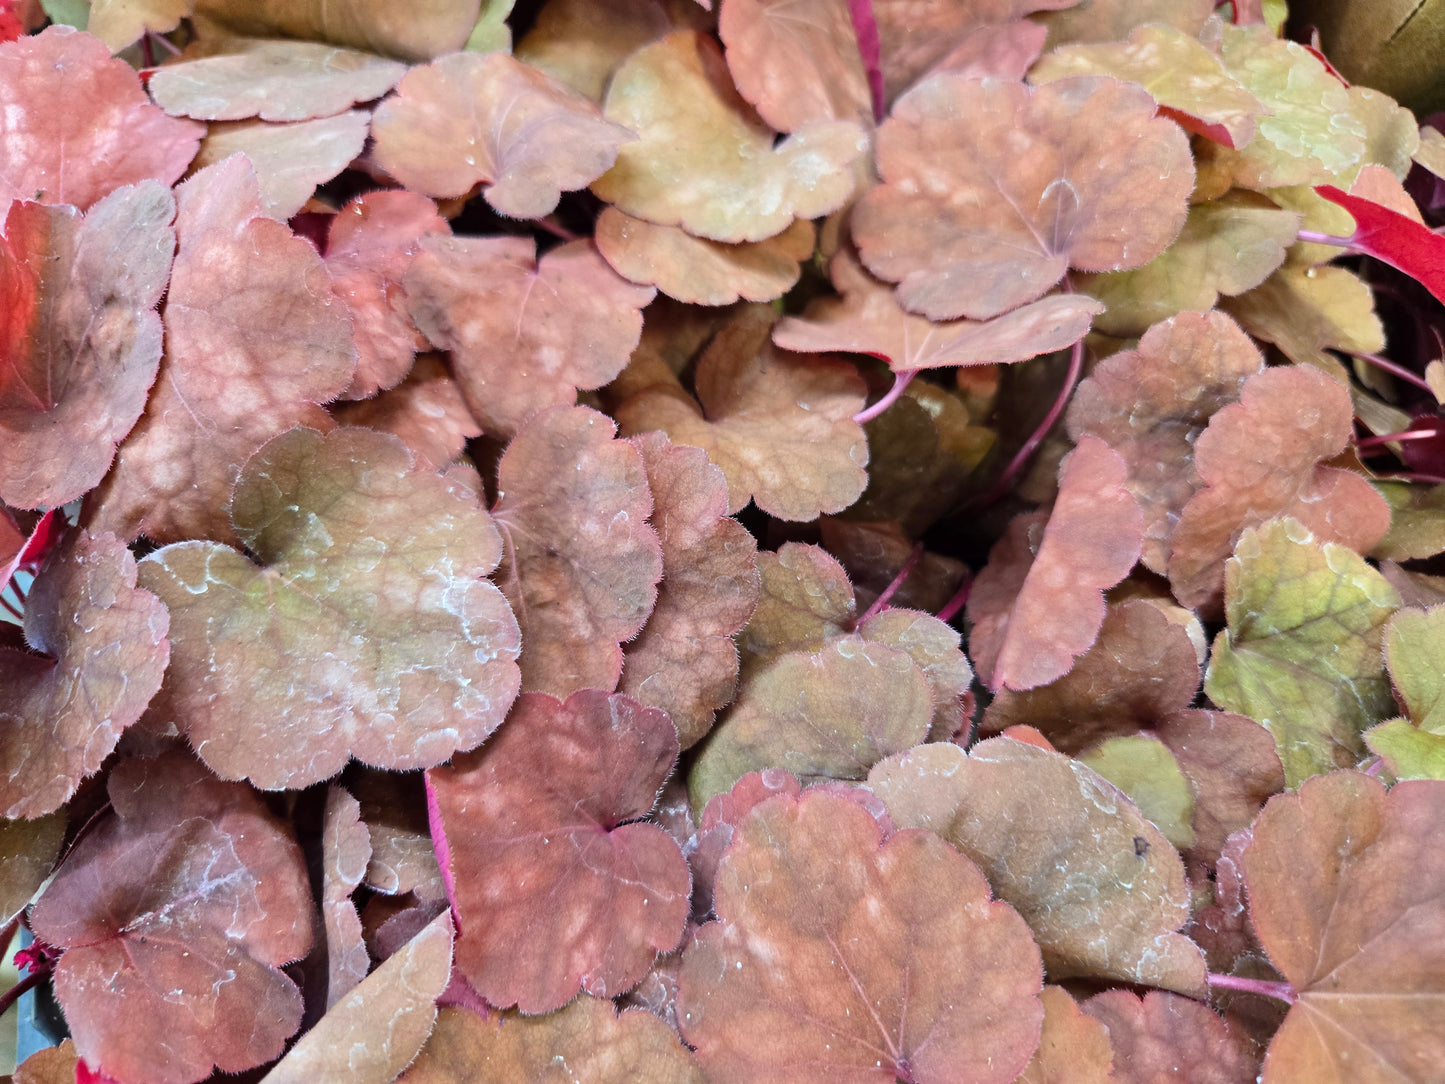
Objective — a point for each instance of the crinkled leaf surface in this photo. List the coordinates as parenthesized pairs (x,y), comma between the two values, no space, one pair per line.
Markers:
(1146,770)
(272,79)
(1039,604)
(1073,1049)
(1307,310)
(254,339)
(796,62)
(467,119)
(1260,458)
(426,411)
(582,562)
(1101,888)
(1347,894)
(552,888)
(81,341)
(1163,1036)
(684,660)
(345,855)
(418,32)
(174,916)
(842,955)
(525,333)
(97,648)
(779,425)
(378,1029)
(77,125)
(587,1039)
(700,271)
(705,161)
(1301,654)
(868,319)
(992,190)
(368,629)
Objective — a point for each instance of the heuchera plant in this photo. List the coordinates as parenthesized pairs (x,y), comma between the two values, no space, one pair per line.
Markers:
(772,540)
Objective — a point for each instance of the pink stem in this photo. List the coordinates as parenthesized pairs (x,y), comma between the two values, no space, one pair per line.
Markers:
(1021,457)
(1281,991)
(1409,434)
(1398,371)
(881,602)
(23,987)
(164,42)
(555,228)
(1374,766)
(958,601)
(865,30)
(1317,238)
(900,382)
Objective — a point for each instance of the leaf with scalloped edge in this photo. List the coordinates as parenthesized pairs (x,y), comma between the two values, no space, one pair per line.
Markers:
(779,425)
(1074,1047)
(425,411)
(842,953)
(249,352)
(868,319)
(553,886)
(1301,653)
(175,966)
(588,1036)
(1307,310)
(1100,886)
(80,336)
(1347,895)
(492,120)
(705,161)
(1414,747)
(78,125)
(993,190)
(582,562)
(1260,458)
(1038,604)
(1156,1036)
(364,626)
(94,651)
(524,332)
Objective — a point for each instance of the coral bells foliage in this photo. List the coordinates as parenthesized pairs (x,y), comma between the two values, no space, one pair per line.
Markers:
(771,540)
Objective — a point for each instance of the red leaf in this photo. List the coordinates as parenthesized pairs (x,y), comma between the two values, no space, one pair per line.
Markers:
(1394,239)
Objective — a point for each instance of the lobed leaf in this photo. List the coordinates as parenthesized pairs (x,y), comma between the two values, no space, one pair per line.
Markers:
(367,629)
(1308,310)
(1160,1034)
(1073,1048)
(553,890)
(993,190)
(425,411)
(840,954)
(173,917)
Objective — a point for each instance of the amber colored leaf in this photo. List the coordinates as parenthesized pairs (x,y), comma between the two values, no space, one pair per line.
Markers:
(525,333)
(345,855)
(1073,1049)
(1151,404)
(1181,73)
(369,247)
(699,271)
(1301,653)
(553,889)
(796,62)
(829,715)
(684,660)
(1260,458)
(174,916)
(95,649)
(1112,20)
(367,628)
(28,850)
(272,79)
(779,425)
(582,562)
(379,1027)
(81,341)
(248,355)
(992,190)
(1308,310)
(1101,888)
(1227,246)
(468,119)
(393,807)
(1163,1036)
(419,31)
(77,124)
(1141,669)
(705,161)
(1038,604)
(840,954)
(868,319)
(588,1037)
(49,1065)
(1347,895)
(426,411)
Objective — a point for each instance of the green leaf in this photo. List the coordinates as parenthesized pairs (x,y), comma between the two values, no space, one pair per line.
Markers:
(1145,769)
(1408,751)
(1301,654)
(1414,748)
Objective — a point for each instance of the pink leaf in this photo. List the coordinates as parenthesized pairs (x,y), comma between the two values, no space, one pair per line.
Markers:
(1394,239)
